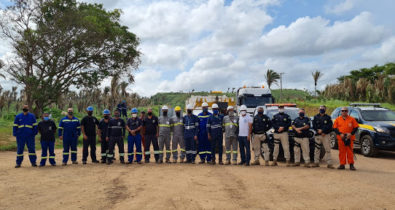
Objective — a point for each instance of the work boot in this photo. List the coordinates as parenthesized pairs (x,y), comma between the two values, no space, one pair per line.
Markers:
(296,164)
(331,166)
(41,165)
(75,162)
(315,165)
(307,165)
(146,161)
(274,163)
(227,162)
(288,163)
(34,165)
(266,163)
(64,164)
(193,162)
(103,161)
(122,161)
(220,162)
(109,162)
(129,162)
(168,161)
(234,162)
(17,165)
(247,164)
(341,167)
(212,162)
(202,162)
(256,162)
(160,161)
(241,163)
(182,161)
(95,161)
(84,162)
(352,168)
(139,162)
(175,161)
(53,164)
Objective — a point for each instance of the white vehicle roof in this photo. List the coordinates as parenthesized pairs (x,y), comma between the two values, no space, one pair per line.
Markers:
(256,91)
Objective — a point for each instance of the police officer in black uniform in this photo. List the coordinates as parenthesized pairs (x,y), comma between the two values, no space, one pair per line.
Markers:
(260,125)
(322,124)
(151,134)
(88,128)
(103,132)
(301,127)
(281,123)
(116,132)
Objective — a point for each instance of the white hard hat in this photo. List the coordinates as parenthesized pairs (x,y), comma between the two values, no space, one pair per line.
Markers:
(214,106)
(243,108)
(189,107)
(204,104)
(165,107)
(229,107)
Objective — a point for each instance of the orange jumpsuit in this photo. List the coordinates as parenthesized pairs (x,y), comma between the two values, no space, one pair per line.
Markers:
(345,126)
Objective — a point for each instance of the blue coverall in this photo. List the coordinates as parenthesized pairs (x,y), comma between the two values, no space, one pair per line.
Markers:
(70,129)
(25,129)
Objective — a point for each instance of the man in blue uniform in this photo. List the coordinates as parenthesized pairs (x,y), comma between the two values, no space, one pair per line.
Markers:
(69,131)
(134,126)
(204,145)
(47,130)
(215,135)
(191,126)
(103,131)
(122,107)
(25,129)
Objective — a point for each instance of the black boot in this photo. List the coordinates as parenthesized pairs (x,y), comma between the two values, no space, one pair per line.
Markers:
(352,168)
(341,167)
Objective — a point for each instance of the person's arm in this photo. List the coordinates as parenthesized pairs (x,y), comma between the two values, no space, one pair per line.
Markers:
(197,120)
(60,131)
(268,124)
(127,126)
(35,130)
(109,129)
(249,130)
(78,128)
(123,128)
(208,128)
(307,126)
(274,124)
(15,126)
(54,125)
(39,127)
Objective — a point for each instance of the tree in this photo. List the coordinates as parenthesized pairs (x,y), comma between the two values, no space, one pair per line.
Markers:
(271,77)
(316,76)
(60,44)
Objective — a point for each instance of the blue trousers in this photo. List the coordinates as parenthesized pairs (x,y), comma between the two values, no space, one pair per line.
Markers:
(21,142)
(190,148)
(45,146)
(134,141)
(216,142)
(245,152)
(204,147)
(69,143)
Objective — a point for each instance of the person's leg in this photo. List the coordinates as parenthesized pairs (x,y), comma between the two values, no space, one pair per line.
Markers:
(156,147)
(276,149)
(31,146)
(110,153)
(74,142)
(242,149)
(228,150)
(44,155)
(121,149)
(266,150)
(306,150)
(137,142)
(92,143)
(208,150)
(104,148)
(220,147)
(147,147)
(342,151)
(193,149)
(167,145)
(256,146)
(181,142)
(20,147)
(66,149)
(297,150)
(234,144)
(130,149)
(85,145)
(317,149)
(285,143)
(248,151)
(213,144)
(201,147)
(51,147)
(350,153)
(174,145)
(327,146)
(161,146)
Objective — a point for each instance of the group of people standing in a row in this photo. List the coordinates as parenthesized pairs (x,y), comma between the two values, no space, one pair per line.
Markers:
(202,134)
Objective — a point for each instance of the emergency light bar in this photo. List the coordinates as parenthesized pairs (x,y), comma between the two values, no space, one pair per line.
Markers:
(365,104)
(285,105)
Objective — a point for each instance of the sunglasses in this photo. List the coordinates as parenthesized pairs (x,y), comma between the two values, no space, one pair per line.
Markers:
(344,110)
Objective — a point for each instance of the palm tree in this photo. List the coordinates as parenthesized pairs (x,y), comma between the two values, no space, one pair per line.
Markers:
(271,77)
(316,76)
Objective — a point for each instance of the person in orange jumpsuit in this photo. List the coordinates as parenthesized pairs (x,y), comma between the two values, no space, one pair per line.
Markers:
(345,128)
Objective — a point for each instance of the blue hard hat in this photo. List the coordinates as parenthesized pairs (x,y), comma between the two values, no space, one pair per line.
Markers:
(134,110)
(106,111)
(90,108)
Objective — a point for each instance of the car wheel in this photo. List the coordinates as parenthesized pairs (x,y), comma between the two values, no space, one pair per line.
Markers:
(367,146)
(333,140)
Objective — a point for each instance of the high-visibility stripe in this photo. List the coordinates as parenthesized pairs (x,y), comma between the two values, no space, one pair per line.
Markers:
(204,116)
(74,152)
(130,154)
(139,153)
(66,120)
(168,151)
(32,154)
(16,125)
(19,155)
(160,152)
(78,127)
(147,153)
(228,152)
(234,152)
(44,157)
(228,124)
(110,155)
(75,120)
(51,157)
(156,152)
(164,125)
(23,126)
(175,124)
(61,128)
(182,150)
(204,152)
(66,153)
(103,154)
(121,154)
(35,124)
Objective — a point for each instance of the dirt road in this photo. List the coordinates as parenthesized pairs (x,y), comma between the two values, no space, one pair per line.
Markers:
(181,186)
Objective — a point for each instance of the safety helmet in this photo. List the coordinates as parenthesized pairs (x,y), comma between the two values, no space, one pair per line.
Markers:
(165,107)
(204,104)
(177,108)
(214,106)
(243,108)
(189,107)
(134,111)
(229,108)
(106,111)
(90,109)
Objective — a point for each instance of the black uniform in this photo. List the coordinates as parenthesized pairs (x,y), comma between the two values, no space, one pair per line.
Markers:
(299,123)
(281,120)
(322,122)
(116,132)
(151,128)
(103,127)
(89,123)
(261,124)
(47,130)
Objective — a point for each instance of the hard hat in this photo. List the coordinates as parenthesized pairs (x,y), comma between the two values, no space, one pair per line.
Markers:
(204,104)
(229,107)
(214,106)
(123,101)
(243,108)
(106,111)
(178,108)
(134,110)
(190,107)
(165,107)
(90,109)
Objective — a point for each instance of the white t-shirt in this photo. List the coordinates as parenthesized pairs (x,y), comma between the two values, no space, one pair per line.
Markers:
(244,129)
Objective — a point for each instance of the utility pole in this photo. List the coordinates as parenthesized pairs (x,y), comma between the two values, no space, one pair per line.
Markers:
(281,85)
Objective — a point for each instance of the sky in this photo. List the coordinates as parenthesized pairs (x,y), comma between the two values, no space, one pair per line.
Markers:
(220,44)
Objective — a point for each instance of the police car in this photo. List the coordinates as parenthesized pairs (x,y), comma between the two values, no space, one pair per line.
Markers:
(376,128)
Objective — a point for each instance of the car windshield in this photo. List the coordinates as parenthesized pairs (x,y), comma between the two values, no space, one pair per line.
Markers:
(293,113)
(254,101)
(378,115)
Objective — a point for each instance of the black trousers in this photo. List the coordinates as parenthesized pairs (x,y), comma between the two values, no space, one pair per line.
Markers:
(216,142)
(104,148)
(147,145)
(90,142)
(111,146)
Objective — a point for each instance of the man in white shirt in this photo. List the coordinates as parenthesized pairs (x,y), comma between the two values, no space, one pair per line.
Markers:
(245,129)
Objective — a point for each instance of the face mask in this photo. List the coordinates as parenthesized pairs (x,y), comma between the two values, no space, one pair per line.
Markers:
(46,118)
(205,110)
(164,113)
(215,111)
(106,117)
(149,113)
(134,115)
(70,113)
(116,115)
(322,111)
(25,110)
(301,114)
(189,111)
(243,113)
(178,114)
(260,112)
(281,111)
(90,113)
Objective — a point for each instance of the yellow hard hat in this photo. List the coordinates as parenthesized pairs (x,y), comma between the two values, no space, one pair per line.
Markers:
(178,108)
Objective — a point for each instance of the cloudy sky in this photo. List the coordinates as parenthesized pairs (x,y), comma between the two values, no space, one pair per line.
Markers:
(217,44)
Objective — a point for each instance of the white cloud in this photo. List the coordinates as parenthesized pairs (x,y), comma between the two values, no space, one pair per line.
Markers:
(342,7)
